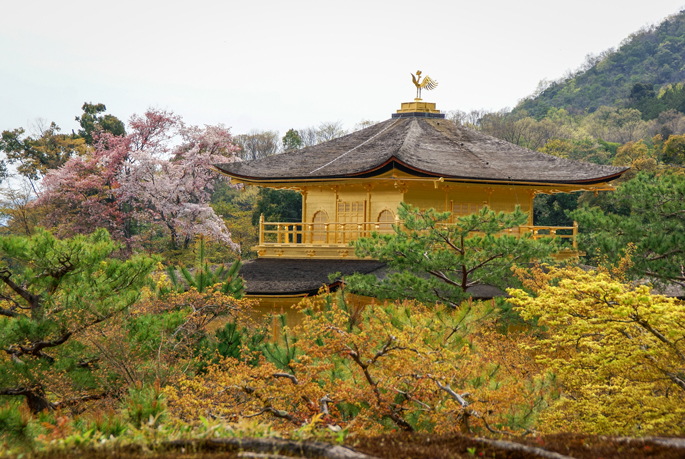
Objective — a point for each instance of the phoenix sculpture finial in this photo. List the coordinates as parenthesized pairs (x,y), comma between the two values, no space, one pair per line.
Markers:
(428,83)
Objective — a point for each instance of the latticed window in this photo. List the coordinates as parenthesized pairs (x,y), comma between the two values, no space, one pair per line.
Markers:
(385,220)
(466,208)
(319,228)
(351,212)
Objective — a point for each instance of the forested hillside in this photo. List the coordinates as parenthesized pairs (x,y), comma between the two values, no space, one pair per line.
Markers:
(653,56)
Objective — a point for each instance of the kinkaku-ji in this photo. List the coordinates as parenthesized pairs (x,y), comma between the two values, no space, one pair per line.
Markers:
(353,185)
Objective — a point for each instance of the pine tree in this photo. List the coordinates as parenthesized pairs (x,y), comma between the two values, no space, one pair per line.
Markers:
(52,292)
(648,213)
(433,260)
(204,276)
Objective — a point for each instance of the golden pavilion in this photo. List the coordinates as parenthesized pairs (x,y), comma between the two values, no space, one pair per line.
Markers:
(353,185)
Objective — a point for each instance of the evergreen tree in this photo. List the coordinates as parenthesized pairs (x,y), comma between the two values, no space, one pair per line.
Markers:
(433,260)
(278,206)
(292,140)
(53,292)
(92,120)
(204,276)
(648,213)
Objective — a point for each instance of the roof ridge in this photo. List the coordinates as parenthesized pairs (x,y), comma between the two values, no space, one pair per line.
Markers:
(411,137)
(461,143)
(352,149)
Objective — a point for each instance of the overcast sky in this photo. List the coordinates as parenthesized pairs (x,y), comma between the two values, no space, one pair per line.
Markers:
(291,64)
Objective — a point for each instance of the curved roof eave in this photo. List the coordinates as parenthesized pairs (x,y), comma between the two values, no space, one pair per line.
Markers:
(424,148)
(393,162)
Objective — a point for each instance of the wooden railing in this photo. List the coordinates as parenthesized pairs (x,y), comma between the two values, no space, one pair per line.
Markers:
(341,233)
(317,233)
(565,233)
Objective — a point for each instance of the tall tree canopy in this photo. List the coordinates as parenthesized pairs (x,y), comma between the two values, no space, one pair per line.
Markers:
(158,174)
(92,120)
(647,212)
(433,260)
(39,153)
(292,140)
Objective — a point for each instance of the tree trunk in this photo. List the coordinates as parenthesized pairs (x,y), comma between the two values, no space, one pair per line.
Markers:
(37,402)
(174,236)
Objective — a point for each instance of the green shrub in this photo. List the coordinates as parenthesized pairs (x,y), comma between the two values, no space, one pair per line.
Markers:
(145,404)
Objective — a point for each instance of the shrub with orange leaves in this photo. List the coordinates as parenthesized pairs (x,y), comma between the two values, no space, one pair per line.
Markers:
(158,338)
(618,351)
(399,365)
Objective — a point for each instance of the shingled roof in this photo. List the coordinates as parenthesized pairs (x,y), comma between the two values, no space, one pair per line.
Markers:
(425,147)
(274,276)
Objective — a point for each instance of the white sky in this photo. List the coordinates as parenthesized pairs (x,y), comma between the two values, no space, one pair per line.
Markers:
(282,64)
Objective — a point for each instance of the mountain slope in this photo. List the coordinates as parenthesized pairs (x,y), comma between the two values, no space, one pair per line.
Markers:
(651,56)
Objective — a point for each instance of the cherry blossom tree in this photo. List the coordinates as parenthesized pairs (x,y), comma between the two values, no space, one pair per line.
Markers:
(80,195)
(159,174)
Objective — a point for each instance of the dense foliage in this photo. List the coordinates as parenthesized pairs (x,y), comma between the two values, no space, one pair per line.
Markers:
(53,291)
(141,179)
(646,213)
(653,56)
(432,259)
(399,365)
(616,348)
(101,342)
(278,206)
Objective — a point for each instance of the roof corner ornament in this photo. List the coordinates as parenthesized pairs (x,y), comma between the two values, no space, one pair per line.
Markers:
(428,83)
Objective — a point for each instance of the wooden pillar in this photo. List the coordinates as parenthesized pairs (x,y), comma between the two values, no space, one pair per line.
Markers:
(369,217)
(336,190)
(489,201)
(304,193)
(531,199)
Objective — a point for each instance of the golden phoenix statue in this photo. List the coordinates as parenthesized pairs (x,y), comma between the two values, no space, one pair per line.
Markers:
(428,83)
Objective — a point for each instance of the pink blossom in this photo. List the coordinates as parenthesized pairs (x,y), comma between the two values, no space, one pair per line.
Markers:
(160,174)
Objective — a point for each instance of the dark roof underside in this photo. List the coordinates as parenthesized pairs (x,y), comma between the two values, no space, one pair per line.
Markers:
(426,147)
(275,276)
(284,277)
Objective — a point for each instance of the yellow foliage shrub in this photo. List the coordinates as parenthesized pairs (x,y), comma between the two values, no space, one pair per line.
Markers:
(618,351)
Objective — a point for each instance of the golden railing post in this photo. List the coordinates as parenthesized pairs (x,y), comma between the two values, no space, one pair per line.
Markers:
(261,229)
(325,232)
(575,234)
(278,233)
